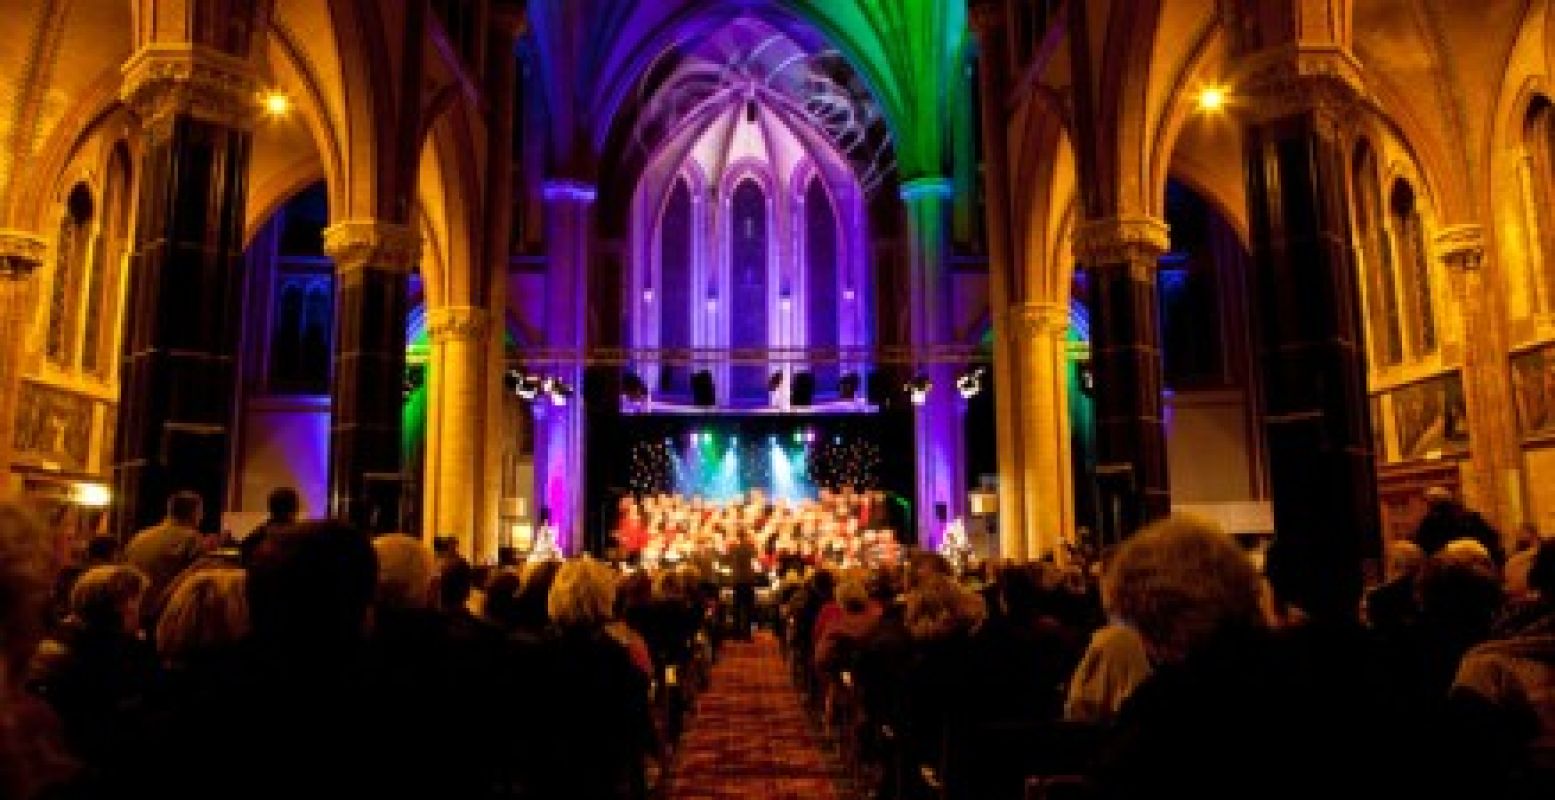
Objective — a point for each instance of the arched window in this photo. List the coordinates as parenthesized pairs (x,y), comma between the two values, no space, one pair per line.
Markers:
(302,321)
(1539,185)
(748,265)
(676,237)
(101,318)
(821,265)
(1375,260)
(1414,270)
(71,250)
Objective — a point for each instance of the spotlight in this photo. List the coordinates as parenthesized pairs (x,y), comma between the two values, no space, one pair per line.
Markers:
(648,294)
(528,387)
(847,387)
(848,294)
(918,389)
(970,383)
(633,388)
(559,391)
(91,495)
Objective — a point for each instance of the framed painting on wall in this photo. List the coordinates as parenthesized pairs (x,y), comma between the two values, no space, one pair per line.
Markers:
(1533,388)
(1430,417)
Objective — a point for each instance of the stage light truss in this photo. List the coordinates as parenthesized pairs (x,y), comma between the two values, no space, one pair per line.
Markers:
(887,355)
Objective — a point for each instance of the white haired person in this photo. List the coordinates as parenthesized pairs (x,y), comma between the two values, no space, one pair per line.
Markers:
(1231,709)
(593,703)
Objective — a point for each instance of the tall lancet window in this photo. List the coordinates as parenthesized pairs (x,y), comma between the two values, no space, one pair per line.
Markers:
(1376,261)
(748,265)
(70,254)
(676,240)
(821,257)
(1414,259)
(1539,187)
(101,316)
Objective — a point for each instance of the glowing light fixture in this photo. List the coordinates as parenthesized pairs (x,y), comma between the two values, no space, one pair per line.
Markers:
(970,383)
(848,294)
(559,391)
(277,104)
(1212,98)
(918,389)
(648,294)
(91,495)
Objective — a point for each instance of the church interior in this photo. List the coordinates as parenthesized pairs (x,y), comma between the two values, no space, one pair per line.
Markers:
(1007,280)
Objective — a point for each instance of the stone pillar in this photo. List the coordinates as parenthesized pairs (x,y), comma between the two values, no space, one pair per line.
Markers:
(1496,484)
(1005,281)
(456,443)
(373,260)
(184,309)
(1039,351)
(937,424)
(21,254)
(1121,254)
(1313,362)
(559,439)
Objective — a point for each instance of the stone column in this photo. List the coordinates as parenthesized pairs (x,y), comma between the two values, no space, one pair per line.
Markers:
(1039,351)
(1316,417)
(373,261)
(184,309)
(456,444)
(559,439)
(1496,484)
(1005,281)
(937,424)
(21,254)
(1121,254)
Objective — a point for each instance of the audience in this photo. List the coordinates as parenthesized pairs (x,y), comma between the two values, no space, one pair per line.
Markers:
(176,674)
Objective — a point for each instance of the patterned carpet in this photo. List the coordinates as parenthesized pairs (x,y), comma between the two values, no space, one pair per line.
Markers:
(749,736)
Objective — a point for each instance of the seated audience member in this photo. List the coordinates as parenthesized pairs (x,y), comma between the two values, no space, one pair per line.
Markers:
(1503,699)
(1521,561)
(166,549)
(1460,597)
(284,505)
(500,605)
(34,762)
(1113,664)
(941,617)
(1392,607)
(1224,713)
(205,621)
(1447,520)
(96,669)
(592,701)
(100,550)
(856,618)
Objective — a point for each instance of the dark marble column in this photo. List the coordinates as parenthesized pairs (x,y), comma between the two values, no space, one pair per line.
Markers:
(1121,255)
(1312,356)
(373,260)
(182,319)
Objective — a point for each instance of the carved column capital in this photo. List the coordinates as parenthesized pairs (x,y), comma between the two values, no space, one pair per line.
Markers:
(363,243)
(1137,240)
(1461,246)
(21,253)
(163,80)
(1284,81)
(458,324)
(1032,320)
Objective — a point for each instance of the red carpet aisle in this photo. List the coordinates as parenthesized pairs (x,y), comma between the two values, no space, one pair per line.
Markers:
(749,737)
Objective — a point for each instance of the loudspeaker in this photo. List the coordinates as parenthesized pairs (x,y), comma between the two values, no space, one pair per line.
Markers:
(802,393)
(702,393)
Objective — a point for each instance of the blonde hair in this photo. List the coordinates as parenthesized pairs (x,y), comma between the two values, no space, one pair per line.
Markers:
(852,593)
(208,611)
(1180,582)
(938,607)
(583,593)
(101,592)
(404,572)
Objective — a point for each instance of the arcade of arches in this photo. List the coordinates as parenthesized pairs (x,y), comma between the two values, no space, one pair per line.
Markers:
(452,266)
